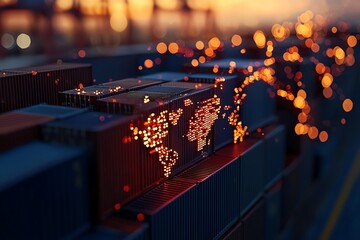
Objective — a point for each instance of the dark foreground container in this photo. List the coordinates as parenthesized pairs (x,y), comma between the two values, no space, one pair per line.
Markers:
(43,192)
(119,229)
(167,76)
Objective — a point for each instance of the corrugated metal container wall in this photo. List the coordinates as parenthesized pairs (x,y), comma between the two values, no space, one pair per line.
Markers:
(167,76)
(254,222)
(218,183)
(171,209)
(251,153)
(28,86)
(273,207)
(118,165)
(43,192)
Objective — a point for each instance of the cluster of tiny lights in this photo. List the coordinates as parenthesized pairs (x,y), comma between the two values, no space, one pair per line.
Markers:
(310,30)
(200,124)
(154,130)
(239,132)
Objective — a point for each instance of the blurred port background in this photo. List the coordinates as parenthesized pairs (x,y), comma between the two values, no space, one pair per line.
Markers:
(310,104)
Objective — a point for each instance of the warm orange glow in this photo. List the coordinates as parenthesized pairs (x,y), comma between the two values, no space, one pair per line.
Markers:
(334,30)
(236,40)
(339,53)
(199,45)
(148,63)
(327,80)
(214,43)
(302,117)
(347,105)
(161,47)
(299,102)
(173,48)
(280,32)
(328,92)
(64,5)
(202,59)
(313,132)
(259,39)
(323,136)
(118,22)
(320,68)
(169,4)
(194,63)
(351,41)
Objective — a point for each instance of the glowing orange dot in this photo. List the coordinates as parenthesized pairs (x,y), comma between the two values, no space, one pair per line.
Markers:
(236,40)
(328,92)
(327,80)
(173,48)
(126,188)
(347,105)
(313,132)
(161,48)
(299,102)
(334,30)
(148,63)
(315,47)
(343,121)
(351,41)
(339,53)
(214,43)
(209,52)
(117,206)
(302,93)
(140,68)
(202,59)
(320,68)
(323,136)
(199,45)
(243,51)
(140,217)
(194,63)
(302,117)
(82,53)
(259,39)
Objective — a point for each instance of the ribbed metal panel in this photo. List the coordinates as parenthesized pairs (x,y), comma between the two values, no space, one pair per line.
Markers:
(18,128)
(218,181)
(274,140)
(251,153)
(119,171)
(273,208)
(28,86)
(171,209)
(43,192)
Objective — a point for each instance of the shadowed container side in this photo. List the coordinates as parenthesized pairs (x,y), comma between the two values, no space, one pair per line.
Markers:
(44,192)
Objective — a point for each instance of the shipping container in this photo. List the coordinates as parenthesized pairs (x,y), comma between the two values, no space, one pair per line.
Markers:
(43,192)
(254,222)
(55,111)
(24,87)
(189,111)
(273,211)
(224,88)
(121,167)
(251,154)
(274,140)
(167,76)
(218,186)
(17,128)
(172,210)
(119,229)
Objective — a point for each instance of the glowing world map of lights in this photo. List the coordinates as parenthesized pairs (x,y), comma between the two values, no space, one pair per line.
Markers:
(155,129)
